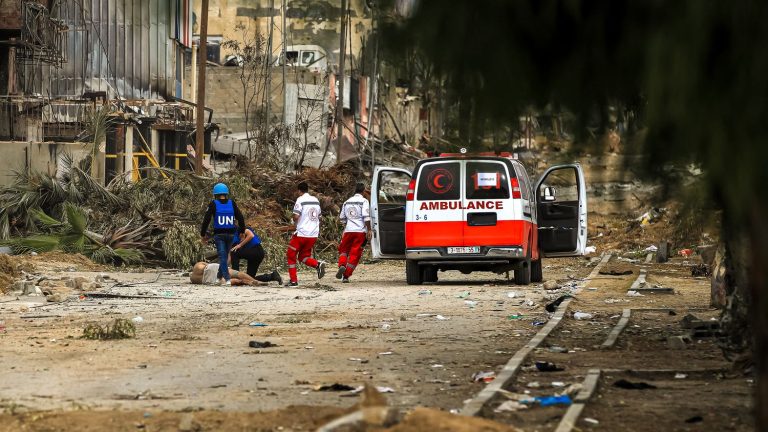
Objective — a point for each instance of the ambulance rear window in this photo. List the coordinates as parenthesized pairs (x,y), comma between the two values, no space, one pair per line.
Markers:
(439,181)
(487,180)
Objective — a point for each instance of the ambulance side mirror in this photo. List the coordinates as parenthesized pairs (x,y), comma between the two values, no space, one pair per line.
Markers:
(549,193)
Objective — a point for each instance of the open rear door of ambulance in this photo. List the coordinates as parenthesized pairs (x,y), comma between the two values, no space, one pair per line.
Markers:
(388,198)
(561,200)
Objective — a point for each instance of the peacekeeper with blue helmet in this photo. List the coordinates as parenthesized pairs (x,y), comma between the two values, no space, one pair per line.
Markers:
(248,247)
(224,213)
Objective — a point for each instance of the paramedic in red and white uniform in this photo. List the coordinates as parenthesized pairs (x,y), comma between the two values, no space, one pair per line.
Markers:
(306,217)
(356,213)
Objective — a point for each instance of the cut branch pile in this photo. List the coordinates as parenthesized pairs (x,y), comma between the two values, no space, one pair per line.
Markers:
(157,219)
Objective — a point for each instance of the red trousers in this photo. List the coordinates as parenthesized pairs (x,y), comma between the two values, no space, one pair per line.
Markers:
(301,247)
(350,251)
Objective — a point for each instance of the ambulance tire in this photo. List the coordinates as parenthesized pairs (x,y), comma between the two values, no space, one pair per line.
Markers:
(523,272)
(430,274)
(536,274)
(413,274)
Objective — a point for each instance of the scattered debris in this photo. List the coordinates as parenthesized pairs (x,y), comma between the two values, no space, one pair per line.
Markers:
(700,270)
(463,294)
(511,294)
(615,272)
(551,400)
(582,316)
(680,376)
(695,419)
(425,292)
(137,320)
(551,285)
(651,248)
(484,376)
(257,324)
(590,420)
(257,344)
(589,250)
(545,366)
(119,329)
(552,307)
(678,342)
(557,349)
(634,293)
(510,406)
(360,389)
(470,303)
(515,316)
(335,387)
(685,253)
(441,318)
(628,385)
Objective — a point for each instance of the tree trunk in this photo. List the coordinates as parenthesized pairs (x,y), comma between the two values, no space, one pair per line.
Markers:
(758,280)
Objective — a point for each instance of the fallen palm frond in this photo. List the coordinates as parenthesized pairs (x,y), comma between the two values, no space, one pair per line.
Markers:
(120,328)
(33,192)
(72,235)
(182,246)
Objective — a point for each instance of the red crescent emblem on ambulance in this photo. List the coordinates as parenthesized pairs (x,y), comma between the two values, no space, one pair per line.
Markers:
(440,181)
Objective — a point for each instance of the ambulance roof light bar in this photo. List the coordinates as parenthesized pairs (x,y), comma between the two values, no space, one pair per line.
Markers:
(463,153)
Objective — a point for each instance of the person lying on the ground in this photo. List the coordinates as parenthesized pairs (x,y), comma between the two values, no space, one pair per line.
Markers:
(206,274)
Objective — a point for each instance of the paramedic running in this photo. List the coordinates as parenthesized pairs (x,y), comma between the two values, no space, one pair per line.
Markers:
(248,247)
(356,214)
(224,212)
(306,217)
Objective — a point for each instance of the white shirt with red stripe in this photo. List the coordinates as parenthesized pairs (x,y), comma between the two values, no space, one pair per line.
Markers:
(308,209)
(356,211)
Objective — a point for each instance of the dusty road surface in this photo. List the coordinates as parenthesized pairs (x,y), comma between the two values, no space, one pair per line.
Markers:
(190,366)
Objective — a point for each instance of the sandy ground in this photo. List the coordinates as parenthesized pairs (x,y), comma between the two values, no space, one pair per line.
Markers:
(191,350)
(190,368)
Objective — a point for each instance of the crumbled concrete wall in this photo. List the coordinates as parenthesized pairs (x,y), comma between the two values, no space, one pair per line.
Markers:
(41,156)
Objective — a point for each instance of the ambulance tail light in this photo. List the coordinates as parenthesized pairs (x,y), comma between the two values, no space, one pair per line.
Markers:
(515,188)
(411,190)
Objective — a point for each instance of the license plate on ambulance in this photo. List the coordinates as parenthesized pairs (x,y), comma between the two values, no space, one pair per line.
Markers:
(464,250)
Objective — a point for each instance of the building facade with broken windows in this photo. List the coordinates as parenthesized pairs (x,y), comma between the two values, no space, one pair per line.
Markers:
(62,61)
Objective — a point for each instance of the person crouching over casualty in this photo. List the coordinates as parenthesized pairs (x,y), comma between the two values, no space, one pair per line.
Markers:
(248,247)
(208,274)
(306,217)
(224,212)
(356,213)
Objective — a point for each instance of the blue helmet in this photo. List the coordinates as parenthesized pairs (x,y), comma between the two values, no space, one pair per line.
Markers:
(220,189)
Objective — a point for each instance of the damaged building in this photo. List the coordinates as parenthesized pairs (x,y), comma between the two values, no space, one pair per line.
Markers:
(65,61)
(303,37)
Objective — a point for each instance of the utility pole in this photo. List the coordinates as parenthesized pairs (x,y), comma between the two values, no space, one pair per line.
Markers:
(373,93)
(340,76)
(270,61)
(200,114)
(285,59)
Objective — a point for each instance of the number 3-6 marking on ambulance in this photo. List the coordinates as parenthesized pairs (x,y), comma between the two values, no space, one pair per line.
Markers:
(419,217)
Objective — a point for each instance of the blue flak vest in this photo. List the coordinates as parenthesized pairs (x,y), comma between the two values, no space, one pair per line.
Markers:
(254,241)
(224,217)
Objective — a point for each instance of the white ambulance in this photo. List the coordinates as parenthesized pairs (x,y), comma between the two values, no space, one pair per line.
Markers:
(477,213)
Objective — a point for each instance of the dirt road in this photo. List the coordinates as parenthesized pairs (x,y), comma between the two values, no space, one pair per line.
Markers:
(191,352)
